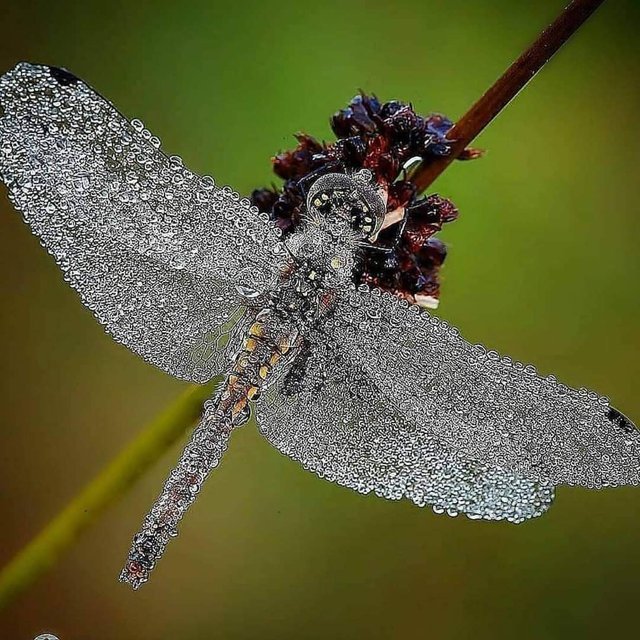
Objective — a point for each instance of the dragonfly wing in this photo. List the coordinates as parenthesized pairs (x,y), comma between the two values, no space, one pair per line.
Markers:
(329,414)
(479,404)
(155,251)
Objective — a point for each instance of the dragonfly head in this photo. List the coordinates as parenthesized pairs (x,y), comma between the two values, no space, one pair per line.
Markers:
(347,205)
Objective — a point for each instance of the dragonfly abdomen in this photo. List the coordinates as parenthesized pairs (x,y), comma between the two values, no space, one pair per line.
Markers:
(264,348)
(266,345)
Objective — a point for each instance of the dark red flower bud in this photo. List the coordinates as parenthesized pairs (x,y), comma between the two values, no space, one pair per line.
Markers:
(351,151)
(432,253)
(381,137)
(401,194)
(447,211)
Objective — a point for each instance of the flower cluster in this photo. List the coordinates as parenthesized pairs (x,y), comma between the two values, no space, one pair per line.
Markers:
(381,137)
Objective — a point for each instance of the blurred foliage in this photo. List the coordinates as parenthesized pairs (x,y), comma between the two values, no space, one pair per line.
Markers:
(109,485)
(543,265)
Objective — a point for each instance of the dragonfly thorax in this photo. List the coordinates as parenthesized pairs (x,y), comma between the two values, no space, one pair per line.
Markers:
(322,257)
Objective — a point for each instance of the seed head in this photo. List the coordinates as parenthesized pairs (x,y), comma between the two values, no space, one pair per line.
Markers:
(384,138)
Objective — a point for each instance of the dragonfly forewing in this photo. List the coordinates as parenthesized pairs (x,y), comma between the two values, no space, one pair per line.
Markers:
(157,252)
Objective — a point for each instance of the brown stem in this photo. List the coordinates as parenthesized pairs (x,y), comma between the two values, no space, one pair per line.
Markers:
(507,86)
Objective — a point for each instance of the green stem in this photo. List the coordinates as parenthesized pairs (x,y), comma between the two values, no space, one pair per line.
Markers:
(105,488)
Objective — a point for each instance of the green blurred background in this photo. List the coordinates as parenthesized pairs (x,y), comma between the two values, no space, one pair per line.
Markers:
(543,265)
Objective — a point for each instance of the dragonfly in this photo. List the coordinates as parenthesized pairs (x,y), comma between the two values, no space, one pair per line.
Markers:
(361,387)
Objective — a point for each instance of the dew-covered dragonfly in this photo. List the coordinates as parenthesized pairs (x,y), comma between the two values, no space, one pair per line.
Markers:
(359,386)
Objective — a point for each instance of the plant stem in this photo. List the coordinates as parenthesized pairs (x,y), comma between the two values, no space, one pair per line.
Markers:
(507,87)
(105,488)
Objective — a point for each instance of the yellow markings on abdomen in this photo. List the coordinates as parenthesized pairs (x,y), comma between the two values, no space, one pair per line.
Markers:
(239,405)
(256,330)
(253,392)
(244,382)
